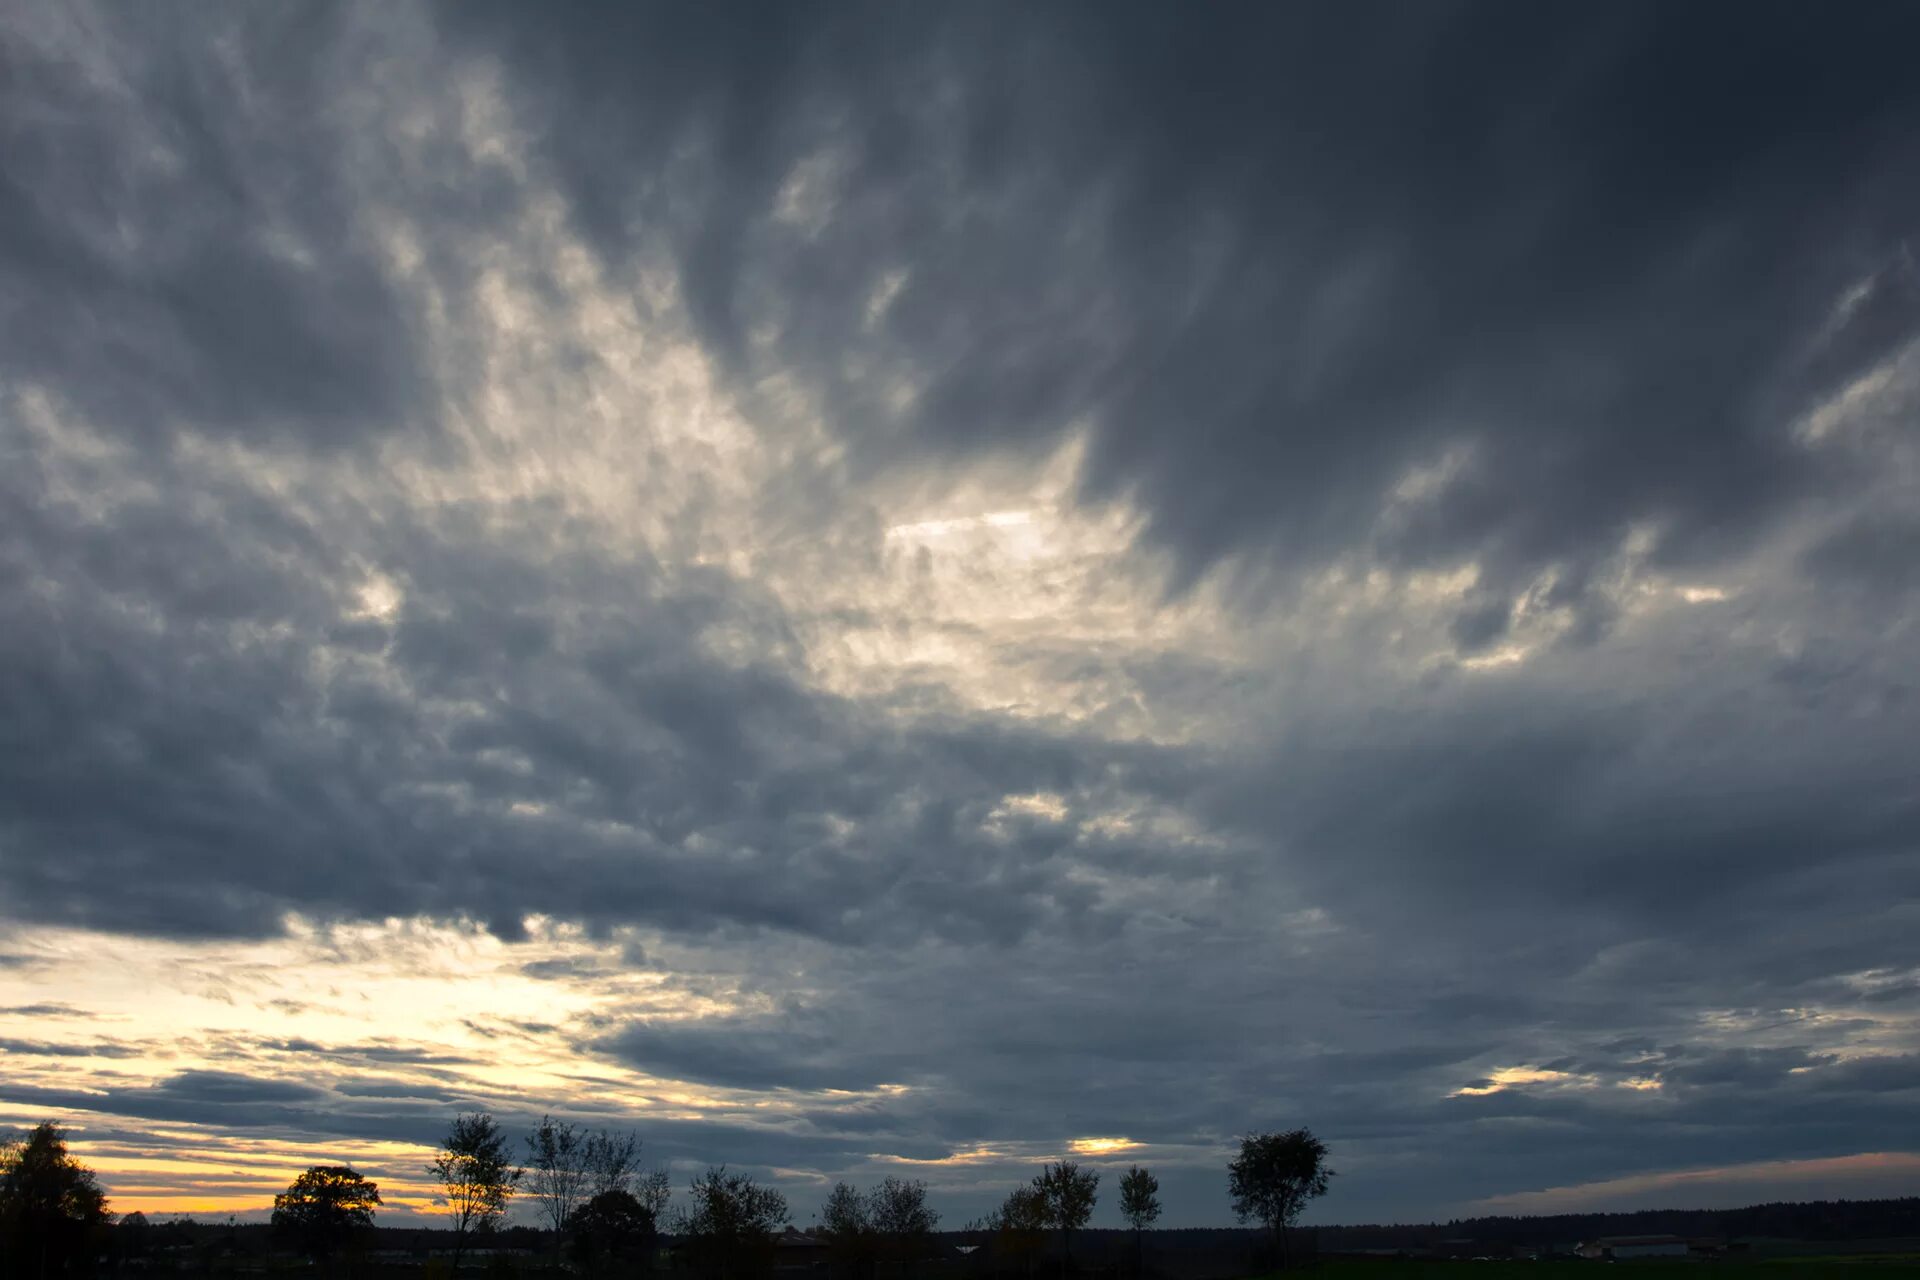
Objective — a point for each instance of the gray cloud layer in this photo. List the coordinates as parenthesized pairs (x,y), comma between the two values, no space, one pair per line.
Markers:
(1475,328)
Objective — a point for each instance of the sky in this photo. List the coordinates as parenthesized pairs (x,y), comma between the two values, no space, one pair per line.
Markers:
(919,589)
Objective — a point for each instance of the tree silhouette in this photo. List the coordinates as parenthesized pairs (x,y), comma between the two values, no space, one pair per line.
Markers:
(846,1220)
(1274,1177)
(1140,1206)
(324,1208)
(1020,1225)
(477,1175)
(613,1159)
(654,1190)
(1068,1194)
(611,1233)
(729,1224)
(133,1238)
(902,1219)
(558,1173)
(891,1221)
(49,1204)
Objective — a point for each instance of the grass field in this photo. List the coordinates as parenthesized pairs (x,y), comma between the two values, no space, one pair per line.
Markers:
(1901,1264)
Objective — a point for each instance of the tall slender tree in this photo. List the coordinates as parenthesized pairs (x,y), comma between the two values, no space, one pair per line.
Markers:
(477,1175)
(654,1190)
(1140,1206)
(559,1172)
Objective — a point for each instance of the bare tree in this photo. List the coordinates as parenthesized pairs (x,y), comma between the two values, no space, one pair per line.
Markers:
(559,1174)
(614,1159)
(654,1189)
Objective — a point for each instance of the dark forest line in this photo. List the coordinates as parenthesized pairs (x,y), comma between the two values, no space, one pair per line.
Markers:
(1811,1220)
(1786,1219)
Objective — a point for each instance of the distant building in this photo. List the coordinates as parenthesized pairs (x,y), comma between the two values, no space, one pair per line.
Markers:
(799,1251)
(1620,1248)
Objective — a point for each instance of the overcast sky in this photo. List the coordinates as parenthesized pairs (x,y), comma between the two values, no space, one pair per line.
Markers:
(915,589)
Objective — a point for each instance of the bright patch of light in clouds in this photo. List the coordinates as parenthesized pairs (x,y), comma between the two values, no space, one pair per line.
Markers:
(1511,1078)
(958,524)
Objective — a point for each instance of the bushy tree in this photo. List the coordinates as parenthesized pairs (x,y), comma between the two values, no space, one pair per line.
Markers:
(1274,1177)
(133,1237)
(1068,1192)
(891,1221)
(324,1208)
(477,1176)
(846,1220)
(1139,1205)
(729,1224)
(1020,1225)
(50,1204)
(902,1219)
(611,1233)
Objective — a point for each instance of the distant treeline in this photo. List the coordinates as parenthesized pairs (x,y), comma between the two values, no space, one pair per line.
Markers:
(1790,1220)
(1813,1220)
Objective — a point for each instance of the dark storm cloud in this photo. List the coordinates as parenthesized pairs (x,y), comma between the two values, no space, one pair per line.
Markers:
(249,784)
(426,1092)
(267,1107)
(749,1053)
(1510,793)
(1282,256)
(261,1107)
(199,1097)
(172,260)
(1879,551)
(229,1088)
(45,1010)
(42,1048)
